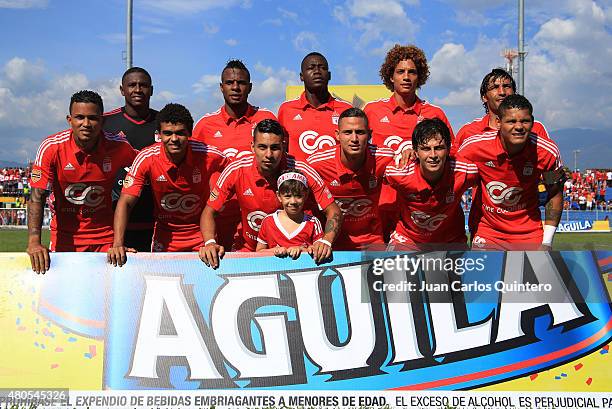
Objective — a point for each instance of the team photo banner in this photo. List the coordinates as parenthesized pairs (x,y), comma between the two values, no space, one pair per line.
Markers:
(491,321)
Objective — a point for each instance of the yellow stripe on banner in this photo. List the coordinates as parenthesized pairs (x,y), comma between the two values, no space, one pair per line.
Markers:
(356,95)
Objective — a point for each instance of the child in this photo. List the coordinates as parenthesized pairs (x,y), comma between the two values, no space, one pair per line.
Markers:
(289,231)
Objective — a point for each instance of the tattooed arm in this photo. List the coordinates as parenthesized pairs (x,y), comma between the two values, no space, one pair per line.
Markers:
(39,254)
(321,249)
(552,213)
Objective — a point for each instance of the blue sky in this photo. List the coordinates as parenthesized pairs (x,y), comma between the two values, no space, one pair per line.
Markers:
(52,48)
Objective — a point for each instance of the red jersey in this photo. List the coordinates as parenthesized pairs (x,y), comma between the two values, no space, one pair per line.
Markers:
(257,197)
(179,191)
(356,193)
(481,125)
(310,129)
(273,234)
(431,214)
(232,136)
(82,184)
(392,126)
(509,200)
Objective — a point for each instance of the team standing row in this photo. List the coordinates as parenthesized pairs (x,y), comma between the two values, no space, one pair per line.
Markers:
(212,186)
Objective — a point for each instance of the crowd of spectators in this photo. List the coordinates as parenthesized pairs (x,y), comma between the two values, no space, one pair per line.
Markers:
(587,190)
(14,182)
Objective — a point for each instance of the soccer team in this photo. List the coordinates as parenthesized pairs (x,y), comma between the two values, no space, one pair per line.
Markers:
(389,176)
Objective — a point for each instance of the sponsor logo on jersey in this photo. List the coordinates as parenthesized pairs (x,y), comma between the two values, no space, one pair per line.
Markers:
(217,134)
(450,196)
(197,176)
(355,207)
(255,218)
(298,117)
(334,183)
(502,194)
(161,178)
(334,118)
(82,194)
(248,192)
(426,221)
(36,175)
(490,164)
(528,169)
(397,143)
(129,181)
(107,164)
(384,119)
(479,242)
(310,141)
(69,166)
(176,202)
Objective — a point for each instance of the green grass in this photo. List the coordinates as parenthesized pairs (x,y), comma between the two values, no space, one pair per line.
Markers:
(16,240)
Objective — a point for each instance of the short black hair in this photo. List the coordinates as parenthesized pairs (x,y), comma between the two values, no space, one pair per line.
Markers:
(429,128)
(235,65)
(88,97)
(354,113)
(494,75)
(292,186)
(269,126)
(515,101)
(175,114)
(314,53)
(138,70)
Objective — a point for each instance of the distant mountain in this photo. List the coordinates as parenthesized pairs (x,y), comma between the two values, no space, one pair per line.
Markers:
(595,147)
(11,164)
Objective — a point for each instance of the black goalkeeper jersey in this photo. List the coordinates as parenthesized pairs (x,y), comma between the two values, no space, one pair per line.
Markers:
(139,134)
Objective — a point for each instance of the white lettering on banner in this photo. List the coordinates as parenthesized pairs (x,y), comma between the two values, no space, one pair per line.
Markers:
(511,309)
(500,193)
(362,337)
(176,202)
(397,143)
(81,194)
(226,323)
(354,207)
(263,345)
(188,342)
(310,141)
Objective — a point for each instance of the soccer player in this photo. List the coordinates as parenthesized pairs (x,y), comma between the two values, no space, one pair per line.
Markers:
(254,181)
(311,120)
(230,129)
(430,190)
(353,172)
(136,121)
(289,231)
(79,166)
(178,171)
(510,165)
(495,86)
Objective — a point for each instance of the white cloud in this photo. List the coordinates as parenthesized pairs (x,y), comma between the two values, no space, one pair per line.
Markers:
(163,97)
(286,14)
(378,22)
(206,83)
(188,7)
(23,4)
(231,42)
(211,28)
(270,91)
(306,41)
(349,75)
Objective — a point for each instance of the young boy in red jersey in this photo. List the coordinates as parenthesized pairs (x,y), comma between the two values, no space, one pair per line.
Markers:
(290,231)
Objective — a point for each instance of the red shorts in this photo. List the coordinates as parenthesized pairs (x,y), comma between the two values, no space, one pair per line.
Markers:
(484,241)
(92,248)
(401,242)
(186,239)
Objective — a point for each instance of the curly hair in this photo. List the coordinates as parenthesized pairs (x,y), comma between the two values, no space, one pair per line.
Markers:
(399,53)
(175,114)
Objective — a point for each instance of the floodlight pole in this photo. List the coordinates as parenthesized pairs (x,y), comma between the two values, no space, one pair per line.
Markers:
(128,34)
(521,46)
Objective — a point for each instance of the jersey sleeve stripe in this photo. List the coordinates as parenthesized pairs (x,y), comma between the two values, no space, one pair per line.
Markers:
(478,138)
(234,166)
(142,156)
(552,147)
(316,155)
(54,140)
(319,158)
(309,171)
